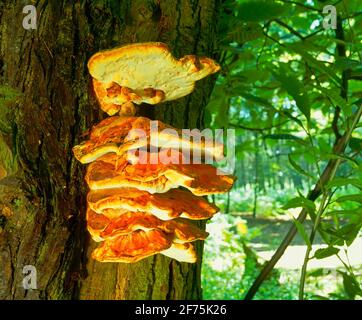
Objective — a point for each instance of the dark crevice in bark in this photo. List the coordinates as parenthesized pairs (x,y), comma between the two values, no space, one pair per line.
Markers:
(197,30)
(28,64)
(46,293)
(177,28)
(186,114)
(1,65)
(152,277)
(12,268)
(170,280)
(14,134)
(76,43)
(43,69)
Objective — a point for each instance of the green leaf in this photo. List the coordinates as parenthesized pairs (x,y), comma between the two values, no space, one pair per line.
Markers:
(351,286)
(329,156)
(337,99)
(219,106)
(298,168)
(319,65)
(294,88)
(356,211)
(325,252)
(260,10)
(316,273)
(261,101)
(349,232)
(300,202)
(351,197)
(243,32)
(283,136)
(355,144)
(302,232)
(207,118)
(288,115)
(253,75)
(356,72)
(345,63)
(341,182)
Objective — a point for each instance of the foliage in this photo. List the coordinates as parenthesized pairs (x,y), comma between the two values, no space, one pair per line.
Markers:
(230,267)
(292,91)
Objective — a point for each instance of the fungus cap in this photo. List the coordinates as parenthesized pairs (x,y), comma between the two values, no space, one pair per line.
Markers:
(180,230)
(132,247)
(111,171)
(141,244)
(144,72)
(169,205)
(183,252)
(119,134)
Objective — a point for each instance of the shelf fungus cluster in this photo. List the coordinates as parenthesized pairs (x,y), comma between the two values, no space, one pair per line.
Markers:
(138,207)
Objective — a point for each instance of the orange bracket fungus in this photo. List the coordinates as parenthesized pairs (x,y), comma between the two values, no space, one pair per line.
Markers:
(143,202)
(144,73)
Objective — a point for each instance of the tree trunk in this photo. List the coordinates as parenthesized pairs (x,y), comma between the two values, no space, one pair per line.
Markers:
(42,199)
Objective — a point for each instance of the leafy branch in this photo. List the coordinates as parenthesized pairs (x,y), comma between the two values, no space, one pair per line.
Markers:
(326,177)
(322,207)
(328,174)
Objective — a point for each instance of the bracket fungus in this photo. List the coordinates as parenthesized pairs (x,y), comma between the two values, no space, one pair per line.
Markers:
(138,204)
(119,134)
(132,73)
(112,171)
(182,230)
(172,204)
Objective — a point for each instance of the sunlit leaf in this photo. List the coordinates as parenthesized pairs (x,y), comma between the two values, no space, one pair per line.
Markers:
(300,202)
(341,182)
(319,65)
(337,99)
(325,252)
(302,232)
(294,88)
(297,167)
(345,212)
(351,197)
(351,285)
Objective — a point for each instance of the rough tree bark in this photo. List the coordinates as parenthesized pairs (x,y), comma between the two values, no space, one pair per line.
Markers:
(42,201)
